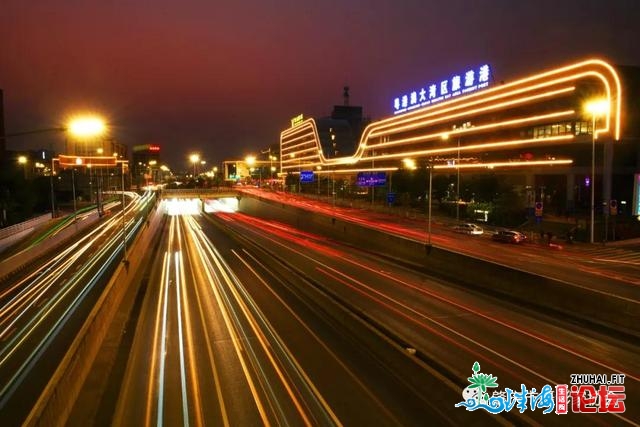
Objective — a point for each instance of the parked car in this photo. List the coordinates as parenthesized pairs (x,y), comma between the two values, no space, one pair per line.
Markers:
(509,236)
(468,228)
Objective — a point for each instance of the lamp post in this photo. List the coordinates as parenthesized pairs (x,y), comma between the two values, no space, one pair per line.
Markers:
(250,161)
(124,224)
(73,188)
(429,166)
(595,108)
(22,160)
(53,206)
(195,158)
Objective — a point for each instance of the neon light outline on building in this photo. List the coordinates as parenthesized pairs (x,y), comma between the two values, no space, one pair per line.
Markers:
(300,146)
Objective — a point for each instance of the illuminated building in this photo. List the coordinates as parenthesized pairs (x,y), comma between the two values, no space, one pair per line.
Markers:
(534,129)
(145,164)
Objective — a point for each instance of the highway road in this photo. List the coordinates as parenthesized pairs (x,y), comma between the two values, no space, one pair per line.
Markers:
(254,322)
(42,309)
(225,339)
(609,269)
(449,326)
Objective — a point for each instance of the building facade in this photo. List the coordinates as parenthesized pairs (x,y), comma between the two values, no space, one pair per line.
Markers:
(145,164)
(538,131)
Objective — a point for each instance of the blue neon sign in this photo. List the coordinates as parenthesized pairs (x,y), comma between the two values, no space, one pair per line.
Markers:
(306,176)
(371,179)
(458,84)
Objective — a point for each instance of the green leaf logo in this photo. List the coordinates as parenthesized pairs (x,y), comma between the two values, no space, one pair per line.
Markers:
(482,381)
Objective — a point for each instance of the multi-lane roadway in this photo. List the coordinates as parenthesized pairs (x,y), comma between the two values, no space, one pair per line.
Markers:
(42,309)
(249,321)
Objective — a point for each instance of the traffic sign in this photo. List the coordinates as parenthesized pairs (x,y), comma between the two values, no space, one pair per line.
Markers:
(391,198)
(538,208)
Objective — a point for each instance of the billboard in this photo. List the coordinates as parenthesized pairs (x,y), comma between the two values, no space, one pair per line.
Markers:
(306,176)
(371,179)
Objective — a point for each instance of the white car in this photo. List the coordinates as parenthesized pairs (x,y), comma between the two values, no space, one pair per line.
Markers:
(468,228)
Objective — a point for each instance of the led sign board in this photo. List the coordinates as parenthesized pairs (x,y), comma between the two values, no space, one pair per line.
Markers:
(146,147)
(306,176)
(371,179)
(297,120)
(458,84)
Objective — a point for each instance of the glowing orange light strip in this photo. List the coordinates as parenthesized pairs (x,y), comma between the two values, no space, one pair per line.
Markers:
(438,135)
(421,123)
(339,171)
(484,146)
(505,164)
(410,116)
(419,117)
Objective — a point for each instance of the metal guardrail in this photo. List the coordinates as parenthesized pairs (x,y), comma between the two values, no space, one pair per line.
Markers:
(17,228)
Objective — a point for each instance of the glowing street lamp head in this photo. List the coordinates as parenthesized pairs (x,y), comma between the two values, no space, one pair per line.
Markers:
(597,107)
(250,160)
(409,164)
(87,126)
(22,160)
(195,158)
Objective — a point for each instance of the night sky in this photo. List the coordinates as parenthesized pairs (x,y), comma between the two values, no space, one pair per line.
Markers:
(224,77)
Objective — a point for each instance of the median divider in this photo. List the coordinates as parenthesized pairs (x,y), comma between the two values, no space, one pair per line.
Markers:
(57,400)
(563,299)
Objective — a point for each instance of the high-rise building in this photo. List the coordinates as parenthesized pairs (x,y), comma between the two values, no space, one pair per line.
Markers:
(145,164)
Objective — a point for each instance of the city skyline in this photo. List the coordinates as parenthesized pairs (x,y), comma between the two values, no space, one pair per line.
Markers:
(224,81)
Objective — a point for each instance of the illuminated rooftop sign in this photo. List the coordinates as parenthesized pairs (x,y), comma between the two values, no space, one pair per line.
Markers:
(297,120)
(458,84)
(146,147)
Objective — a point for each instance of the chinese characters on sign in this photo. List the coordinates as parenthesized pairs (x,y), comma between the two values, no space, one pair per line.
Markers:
(458,84)
(371,179)
(587,393)
(297,120)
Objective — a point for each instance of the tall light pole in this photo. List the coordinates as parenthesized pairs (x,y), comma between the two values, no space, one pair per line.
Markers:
(595,108)
(22,160)
(53,206)
(194,158)
(250,161)
(124,223)
(429,209)
(318,169)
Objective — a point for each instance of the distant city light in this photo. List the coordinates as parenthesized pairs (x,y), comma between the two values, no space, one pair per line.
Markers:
(87,126)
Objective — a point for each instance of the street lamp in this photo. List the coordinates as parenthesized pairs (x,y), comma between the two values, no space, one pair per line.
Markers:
(430,167)
(318,169)
(22,160)
(124,223)
(250,161)
(194,158)
(86,126)
(73,187)
(596,108)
